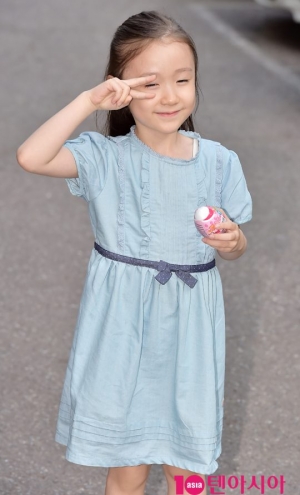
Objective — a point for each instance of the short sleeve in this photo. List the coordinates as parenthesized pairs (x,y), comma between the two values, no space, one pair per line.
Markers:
(90,154)
(236,199)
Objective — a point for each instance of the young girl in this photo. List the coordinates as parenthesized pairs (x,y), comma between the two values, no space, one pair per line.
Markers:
(145,379)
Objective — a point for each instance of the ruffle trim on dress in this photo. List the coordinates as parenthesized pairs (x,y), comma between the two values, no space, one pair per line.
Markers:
(219,175)
(145,204)
(202,191)
(202,201)
(121,209)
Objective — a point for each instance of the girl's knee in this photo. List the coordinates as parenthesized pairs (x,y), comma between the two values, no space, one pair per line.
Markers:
(129,478)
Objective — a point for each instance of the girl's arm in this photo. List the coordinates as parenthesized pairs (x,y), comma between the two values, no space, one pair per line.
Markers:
(230,245)
(43,152)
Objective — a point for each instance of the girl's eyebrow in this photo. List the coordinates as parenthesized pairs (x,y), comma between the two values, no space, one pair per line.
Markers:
(183,69)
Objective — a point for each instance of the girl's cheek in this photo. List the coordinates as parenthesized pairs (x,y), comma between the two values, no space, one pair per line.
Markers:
(140,105)
(136,107)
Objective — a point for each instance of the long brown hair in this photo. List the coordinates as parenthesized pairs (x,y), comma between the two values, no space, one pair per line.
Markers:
(129,40)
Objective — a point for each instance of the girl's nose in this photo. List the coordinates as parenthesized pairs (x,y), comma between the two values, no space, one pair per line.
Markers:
(169,95)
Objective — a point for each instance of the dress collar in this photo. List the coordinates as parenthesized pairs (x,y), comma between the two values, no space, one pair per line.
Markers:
(169,159)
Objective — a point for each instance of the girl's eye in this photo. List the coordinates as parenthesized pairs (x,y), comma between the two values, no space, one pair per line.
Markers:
(151,85)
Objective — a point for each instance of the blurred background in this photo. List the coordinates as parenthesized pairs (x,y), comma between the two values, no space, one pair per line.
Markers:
(250,81)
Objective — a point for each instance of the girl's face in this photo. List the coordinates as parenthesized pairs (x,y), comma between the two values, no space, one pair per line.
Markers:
(174,86)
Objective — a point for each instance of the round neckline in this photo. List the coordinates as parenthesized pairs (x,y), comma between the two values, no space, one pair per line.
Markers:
(176,161)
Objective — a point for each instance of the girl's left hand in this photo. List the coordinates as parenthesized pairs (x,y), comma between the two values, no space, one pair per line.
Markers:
(227,242)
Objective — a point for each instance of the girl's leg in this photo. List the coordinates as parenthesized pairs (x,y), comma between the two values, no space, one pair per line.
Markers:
(171,471)
(127,480)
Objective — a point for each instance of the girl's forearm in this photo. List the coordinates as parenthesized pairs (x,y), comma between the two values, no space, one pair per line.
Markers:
(44,144)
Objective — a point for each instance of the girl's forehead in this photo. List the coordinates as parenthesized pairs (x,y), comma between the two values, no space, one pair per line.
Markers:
(161,56)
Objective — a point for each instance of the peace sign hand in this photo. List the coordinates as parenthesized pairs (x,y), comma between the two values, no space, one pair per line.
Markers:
(115,93)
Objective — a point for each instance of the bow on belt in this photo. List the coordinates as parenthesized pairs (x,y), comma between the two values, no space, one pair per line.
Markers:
(165,274)
(165,269)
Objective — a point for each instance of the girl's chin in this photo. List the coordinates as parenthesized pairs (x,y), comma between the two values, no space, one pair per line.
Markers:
(160,125)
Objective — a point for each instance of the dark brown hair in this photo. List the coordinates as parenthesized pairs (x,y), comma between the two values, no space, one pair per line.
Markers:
(129,40)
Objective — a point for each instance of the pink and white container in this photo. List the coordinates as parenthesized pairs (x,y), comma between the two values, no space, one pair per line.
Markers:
(205,219)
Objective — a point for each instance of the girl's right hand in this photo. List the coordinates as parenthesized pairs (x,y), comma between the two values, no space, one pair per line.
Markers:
(114,93)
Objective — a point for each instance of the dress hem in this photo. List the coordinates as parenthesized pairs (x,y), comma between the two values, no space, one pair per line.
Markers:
(87,461)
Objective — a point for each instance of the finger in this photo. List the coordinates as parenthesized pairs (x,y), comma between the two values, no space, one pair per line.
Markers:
(121,90)
(222,237)
(124,104)
(117,90)
(124,95)
(225,225)
(128,100)
(138,81)
(220,244)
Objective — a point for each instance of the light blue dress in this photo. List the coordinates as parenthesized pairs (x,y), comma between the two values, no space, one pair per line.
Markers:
(145,378)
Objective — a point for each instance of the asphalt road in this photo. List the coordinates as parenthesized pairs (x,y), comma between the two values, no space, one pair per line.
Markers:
(250,82)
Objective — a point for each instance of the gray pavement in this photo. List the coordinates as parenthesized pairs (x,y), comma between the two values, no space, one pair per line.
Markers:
(52,51)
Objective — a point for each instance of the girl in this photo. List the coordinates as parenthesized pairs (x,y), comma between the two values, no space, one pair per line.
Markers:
(145,379)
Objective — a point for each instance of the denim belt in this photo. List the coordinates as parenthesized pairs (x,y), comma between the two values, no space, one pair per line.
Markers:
(164,268)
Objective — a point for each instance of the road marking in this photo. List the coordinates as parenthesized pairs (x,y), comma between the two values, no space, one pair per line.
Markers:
(247,47)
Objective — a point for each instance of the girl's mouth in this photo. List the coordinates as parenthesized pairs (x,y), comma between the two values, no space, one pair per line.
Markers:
(167,114)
